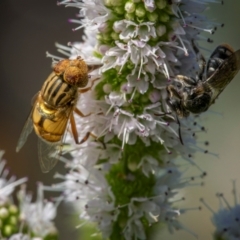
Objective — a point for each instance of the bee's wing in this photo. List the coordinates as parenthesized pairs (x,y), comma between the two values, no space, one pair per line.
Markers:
(27,129)
(48,154)
(224,74)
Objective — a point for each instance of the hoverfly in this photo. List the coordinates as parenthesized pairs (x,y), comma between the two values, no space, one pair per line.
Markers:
(188,95)
(53,108)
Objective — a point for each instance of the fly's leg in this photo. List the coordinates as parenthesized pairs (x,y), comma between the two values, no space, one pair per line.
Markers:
(90,87)
(75,132)
(79,113)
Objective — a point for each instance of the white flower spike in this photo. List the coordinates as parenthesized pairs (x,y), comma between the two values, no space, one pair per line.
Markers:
(126,180)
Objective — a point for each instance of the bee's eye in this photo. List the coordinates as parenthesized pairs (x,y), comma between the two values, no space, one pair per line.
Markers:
(188,91)
(178,85)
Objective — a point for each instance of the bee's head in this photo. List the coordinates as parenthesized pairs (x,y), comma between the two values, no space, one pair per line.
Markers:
(177,107)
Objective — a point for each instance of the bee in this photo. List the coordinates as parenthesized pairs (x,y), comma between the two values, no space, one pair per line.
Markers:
(188,95)
(53,108)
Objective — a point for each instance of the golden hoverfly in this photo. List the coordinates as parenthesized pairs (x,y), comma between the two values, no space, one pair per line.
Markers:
(53,108)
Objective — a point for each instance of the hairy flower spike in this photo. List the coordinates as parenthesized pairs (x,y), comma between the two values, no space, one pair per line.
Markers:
(19,221)
(38,215)
(127,179)
(227,219)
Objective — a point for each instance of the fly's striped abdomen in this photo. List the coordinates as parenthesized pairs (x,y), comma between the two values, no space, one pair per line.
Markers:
(56,92)
(50,124)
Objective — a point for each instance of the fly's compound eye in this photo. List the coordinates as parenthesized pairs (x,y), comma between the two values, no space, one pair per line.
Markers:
(76,76)
(75,72)
(198,103)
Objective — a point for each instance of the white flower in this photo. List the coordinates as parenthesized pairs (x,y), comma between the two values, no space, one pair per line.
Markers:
(150,5)
(21,236)
(148,164)
(95,11)
(88,187)
(39,215)
(130,30)
(7,186)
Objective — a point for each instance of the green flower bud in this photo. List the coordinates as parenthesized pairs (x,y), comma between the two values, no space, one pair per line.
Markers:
(129,16)
(119,10)
(153,16)
(13,220)
(13,209)
(161,4)
(130,7)
(107,3)
(161,30)
(132,164)
(106,37)
(163,17)
(140,11)
(7,230)
(4,213)
(116,3)
(115,35)
(107,88)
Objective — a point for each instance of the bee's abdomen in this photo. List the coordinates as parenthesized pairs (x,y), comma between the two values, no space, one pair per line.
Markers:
(220,54)
(56,92)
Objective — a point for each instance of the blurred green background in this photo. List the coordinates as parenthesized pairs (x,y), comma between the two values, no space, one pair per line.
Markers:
(30,28)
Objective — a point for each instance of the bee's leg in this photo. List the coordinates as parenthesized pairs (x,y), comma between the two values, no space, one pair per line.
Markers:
(179,130)
(202,65)
(88,88)
(175,99)
(173,92)
(184,80)
(201,61)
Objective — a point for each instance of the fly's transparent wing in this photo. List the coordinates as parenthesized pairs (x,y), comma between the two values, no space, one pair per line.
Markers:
(27,129)
(28,126)
(48,154)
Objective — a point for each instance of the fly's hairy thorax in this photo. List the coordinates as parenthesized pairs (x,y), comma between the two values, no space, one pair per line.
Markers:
(57,93)
(52,110)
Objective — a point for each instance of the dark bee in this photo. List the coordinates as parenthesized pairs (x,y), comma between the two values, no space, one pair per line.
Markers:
(188,95)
